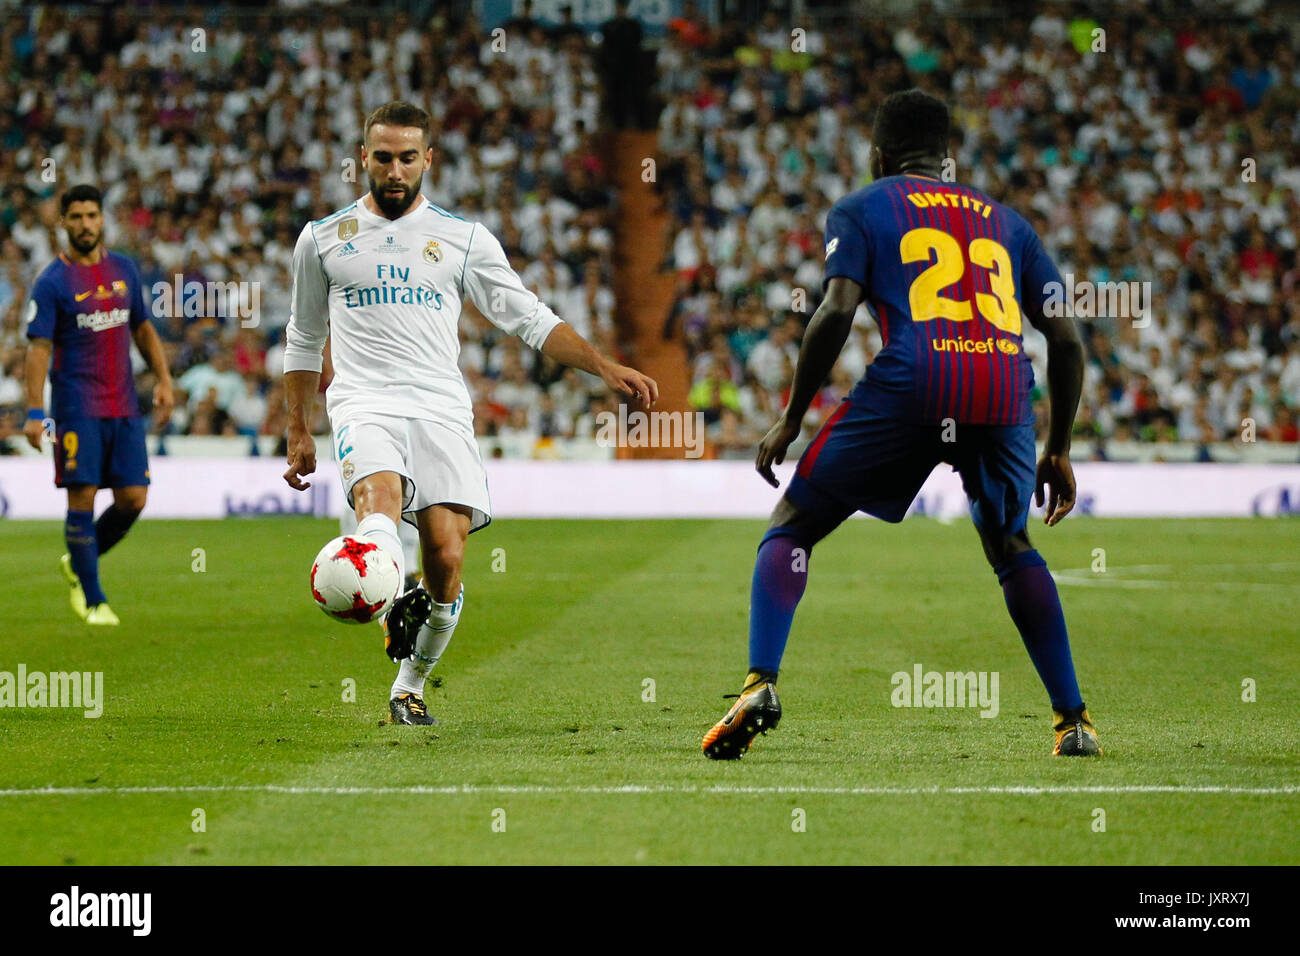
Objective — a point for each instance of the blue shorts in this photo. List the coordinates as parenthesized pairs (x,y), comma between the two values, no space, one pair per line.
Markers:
(104,452)
(864,461)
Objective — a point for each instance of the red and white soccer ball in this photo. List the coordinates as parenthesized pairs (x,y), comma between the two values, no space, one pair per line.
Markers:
(354,580)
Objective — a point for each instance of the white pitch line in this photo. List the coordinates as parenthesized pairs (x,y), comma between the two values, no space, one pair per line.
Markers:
(1097,581)
(543,790)
(1115,577)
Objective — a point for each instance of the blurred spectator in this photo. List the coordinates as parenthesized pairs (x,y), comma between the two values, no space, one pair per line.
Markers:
(214,381)
(623,70)
(1130,166)
(212,165)
(248,410)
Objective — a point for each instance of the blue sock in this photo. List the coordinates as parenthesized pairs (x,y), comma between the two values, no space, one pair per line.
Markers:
(112,525)
(780,574)
(1035,608)
(79,533)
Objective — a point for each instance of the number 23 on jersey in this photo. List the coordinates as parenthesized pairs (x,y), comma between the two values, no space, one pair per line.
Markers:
(998,306)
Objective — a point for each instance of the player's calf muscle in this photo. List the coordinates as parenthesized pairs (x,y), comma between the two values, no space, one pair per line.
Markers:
(444,530)
(442,566)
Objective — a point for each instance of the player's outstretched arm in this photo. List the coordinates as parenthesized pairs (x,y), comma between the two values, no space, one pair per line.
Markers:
(1064,386)
(498,293)
(38,364)
(567,347)
(822,343)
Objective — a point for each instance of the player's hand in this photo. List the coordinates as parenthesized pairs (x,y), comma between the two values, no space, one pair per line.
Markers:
(1056,473)
(163,400)
(628,381)
(771,450)
(301,457)
(34,431)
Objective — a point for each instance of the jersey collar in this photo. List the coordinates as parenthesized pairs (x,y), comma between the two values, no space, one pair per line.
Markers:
(416,207)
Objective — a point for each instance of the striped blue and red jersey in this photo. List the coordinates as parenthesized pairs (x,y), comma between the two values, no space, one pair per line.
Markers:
(89,313)
(949,275)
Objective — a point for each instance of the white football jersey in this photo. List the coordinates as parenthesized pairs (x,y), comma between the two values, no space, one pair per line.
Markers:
(389,292)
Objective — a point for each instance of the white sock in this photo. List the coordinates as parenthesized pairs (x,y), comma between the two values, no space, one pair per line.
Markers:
(411,546)
(435,634)
(379,528)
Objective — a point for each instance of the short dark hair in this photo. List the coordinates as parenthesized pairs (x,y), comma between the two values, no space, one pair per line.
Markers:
(911,124)
(83,193)
(400,113)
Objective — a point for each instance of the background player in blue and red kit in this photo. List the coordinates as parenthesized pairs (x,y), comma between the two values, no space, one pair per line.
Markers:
(949,275)
(86,308)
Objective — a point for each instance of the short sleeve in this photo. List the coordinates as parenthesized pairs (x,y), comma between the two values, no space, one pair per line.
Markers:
(139,311)
(1040,280)
(847,247)
(42,310)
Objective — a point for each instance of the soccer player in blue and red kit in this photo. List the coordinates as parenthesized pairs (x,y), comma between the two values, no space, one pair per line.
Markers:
(86,308)
(949,274)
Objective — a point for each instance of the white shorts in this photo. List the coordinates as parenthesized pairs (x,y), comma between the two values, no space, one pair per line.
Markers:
(439,465)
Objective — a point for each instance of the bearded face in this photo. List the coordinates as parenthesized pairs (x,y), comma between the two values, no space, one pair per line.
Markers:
(396,158)
(84,224)
(392,197)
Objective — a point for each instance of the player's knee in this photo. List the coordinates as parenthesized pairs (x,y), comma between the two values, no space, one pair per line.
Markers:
(789,520)
(447,556)
(377,497)
(131,500)
(1001,546)
(1016,553)
(785,512)
(81,497)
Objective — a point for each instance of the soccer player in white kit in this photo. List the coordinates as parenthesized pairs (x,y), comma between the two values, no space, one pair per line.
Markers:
(385,278)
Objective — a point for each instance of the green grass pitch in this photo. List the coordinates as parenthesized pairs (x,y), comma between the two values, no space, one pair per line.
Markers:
(225,693)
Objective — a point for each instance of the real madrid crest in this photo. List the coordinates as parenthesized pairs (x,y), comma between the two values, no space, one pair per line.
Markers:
(432,252)
(347,229)
(348,469)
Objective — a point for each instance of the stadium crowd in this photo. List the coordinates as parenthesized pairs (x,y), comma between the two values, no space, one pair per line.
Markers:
(1165,150)
(1169,154)
(214,147)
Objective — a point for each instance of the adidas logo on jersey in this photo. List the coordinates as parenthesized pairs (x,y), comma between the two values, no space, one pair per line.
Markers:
(348,250)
